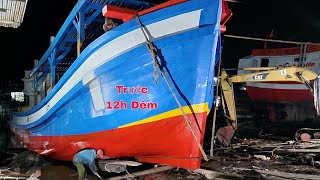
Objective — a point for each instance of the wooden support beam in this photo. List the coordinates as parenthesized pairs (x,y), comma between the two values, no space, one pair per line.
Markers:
(52,62)
(208,173)
(80,31)
(289,175)
(288,151)
(280,174)
(144,173)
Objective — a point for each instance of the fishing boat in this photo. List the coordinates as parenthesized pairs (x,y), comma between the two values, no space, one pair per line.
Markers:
(142,89)
(290,101)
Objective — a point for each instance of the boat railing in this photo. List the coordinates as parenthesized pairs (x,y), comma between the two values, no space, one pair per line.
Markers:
(83,25)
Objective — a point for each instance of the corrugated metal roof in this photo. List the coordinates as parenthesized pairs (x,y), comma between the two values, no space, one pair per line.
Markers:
(12,12)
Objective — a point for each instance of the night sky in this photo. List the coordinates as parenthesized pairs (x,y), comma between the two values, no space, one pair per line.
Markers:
(290,20)
(20,46)
(293,20)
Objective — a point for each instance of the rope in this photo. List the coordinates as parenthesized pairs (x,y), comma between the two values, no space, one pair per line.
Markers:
(131,175)
(269,40)
(215,108)
(153,51)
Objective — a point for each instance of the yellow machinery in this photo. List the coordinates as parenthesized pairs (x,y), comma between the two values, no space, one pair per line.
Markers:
(284,74)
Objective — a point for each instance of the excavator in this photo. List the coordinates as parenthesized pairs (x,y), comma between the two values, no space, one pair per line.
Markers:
(267,74)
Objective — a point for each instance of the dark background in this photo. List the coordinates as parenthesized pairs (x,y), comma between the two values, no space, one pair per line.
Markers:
(294,20)
(20,46)
(290,20)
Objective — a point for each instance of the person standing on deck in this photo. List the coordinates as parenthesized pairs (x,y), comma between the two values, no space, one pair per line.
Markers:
(87,157)
(111,23)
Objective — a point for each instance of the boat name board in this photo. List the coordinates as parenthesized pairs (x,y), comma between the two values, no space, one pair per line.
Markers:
(121,104)
(131,90)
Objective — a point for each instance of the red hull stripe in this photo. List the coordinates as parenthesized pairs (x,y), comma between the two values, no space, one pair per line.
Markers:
(284,51)
(279,95)
(168,141)
(161,6)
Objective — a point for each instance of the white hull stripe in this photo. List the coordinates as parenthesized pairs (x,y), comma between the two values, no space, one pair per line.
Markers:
(278,86)
(113,49)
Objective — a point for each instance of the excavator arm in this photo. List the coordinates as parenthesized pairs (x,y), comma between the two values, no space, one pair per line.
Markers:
(284,74)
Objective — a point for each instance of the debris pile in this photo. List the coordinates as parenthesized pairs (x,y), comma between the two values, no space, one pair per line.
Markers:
(268,155)
(21,164)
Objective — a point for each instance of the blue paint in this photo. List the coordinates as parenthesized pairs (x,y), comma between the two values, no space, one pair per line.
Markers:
(188,59)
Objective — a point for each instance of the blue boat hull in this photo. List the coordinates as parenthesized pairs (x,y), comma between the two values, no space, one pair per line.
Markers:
(109,99)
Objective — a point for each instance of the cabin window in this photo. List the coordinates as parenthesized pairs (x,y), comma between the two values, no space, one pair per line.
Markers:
(264,62)
(297,59)
(255,63)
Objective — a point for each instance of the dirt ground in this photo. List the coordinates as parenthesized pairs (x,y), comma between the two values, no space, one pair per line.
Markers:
(236,164)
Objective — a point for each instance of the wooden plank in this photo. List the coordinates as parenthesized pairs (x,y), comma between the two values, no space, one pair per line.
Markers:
(280,174)
(143,173)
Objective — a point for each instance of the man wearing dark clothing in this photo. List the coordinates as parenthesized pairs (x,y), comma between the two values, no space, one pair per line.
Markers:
(111,23)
